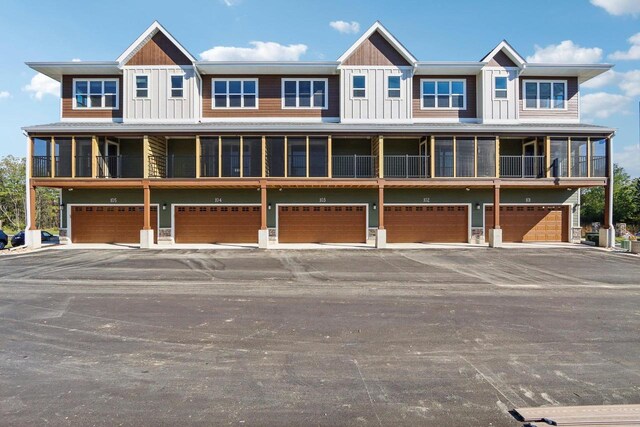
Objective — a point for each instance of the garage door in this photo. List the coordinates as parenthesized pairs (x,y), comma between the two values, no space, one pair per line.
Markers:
(322,224)
(216,224)
(416,224)
(110,224)
(531,223)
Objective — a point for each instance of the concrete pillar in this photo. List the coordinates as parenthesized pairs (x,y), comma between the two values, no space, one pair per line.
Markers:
(263,233)
(495,233)
(33,239)
(495,238)
(146,234)
(263,239)
(146,239)
(381,238)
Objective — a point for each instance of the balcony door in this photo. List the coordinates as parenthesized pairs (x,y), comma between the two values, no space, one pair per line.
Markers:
(111,159)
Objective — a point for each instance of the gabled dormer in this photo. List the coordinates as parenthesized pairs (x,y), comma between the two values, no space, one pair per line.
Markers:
(376,73)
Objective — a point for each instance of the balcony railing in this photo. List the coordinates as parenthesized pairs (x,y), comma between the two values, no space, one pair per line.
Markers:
(63,166)
(406,166)
(599,166)
(181,167)
(579,166)
(355,166)
(83,166)
(41,166)
(208,166)
(119,167)
(522,166)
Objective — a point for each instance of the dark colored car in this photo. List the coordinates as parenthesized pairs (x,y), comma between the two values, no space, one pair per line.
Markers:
(4,239)
(18,238)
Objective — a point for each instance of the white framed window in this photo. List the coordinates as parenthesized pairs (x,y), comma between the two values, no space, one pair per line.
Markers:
(393,86)
(95,94)
(177,85)
(305,93)
(500,87)
(358,86)
(545,95)
(235,93)
(142,86)
(437,94)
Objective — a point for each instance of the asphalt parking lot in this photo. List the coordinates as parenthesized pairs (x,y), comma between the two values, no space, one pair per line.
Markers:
(382,338)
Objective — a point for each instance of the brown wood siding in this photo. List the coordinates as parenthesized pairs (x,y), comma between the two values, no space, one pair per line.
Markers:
(159,50)
(270,98)
(110,224)
(87,113)
(322,224)
(469,113)
(217,224)
(531,223)
(418,224)
(501,59)
(572,101)
(376,50)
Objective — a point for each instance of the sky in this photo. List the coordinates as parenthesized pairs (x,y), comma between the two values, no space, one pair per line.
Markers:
(579,31)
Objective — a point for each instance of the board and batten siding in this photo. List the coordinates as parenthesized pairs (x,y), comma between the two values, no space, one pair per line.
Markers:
(499,109)
(159,105)
(87,113)
(573,100)
(469,113)
(376,105)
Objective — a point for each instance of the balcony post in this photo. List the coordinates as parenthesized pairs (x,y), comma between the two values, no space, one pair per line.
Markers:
(94,156)
(330,157)
(432,157)
(145,156)
(219,157)
(495,233)
(569,171)
(198,157)
(241,156)
(73,157)
(406,166)
(263,233)
(263,161)
(32,208)
(53,157)
(146,234)
(522,174)
(589,159)
(381,233)
(497,156)
(29,159)
(380,156)
(33,238)
(455,157)
(286,156)
(475,156)
(547,155)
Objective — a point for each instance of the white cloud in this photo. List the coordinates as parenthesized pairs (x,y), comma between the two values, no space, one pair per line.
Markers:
(231,2)
(601,105)
(628,157)
(605,79)
(619,7)
(632,53)
(76,60)
(630,83)
(260,51)
(345,27)
(42,85)
(566,52)
(4,94)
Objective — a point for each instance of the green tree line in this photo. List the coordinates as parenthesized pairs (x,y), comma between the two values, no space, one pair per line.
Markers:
(626,200)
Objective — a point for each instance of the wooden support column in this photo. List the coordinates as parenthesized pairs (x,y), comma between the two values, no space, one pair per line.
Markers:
(496,206)
(455,158)
(241,156)
(497,157)
(286,156)
(475,156)
(307,157)
(432,157)
(381,207)
(263,205)
(569,161)
(380,156)
(547,155)
(198,157)
(147,206)
(146,151)
(330,157)
(589,160)
(94,156)
(32,210)
(263,161)
(608,189)
(53,157)
(73,157)
(219,157)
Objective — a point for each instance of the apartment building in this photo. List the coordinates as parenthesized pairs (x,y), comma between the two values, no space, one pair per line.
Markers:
(377,147)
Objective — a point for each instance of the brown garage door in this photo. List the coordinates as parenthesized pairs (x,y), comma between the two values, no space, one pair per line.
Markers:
(110,224)
(322,224)
(217,224)
(531,223)
(416,224)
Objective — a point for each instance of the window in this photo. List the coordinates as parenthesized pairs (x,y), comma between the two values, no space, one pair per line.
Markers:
(500,88)
(359,86)
(545,95)
(393,87)
(235,93)
(142,86)
(177,86)
(97,94)
(443,94)
(302,93)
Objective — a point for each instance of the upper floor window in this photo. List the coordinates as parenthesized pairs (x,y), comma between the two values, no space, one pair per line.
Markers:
(235,93)
(177,86)
(443,94)
(304,93)
(95,94)
(142,86)
(500,88)
(359,86)
(393,87)
(545,94)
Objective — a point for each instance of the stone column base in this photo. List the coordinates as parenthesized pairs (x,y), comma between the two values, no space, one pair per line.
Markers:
(146,239)
(33,239)
(495,238)
(607,237)
(635,247)
(263,239)
(381,238)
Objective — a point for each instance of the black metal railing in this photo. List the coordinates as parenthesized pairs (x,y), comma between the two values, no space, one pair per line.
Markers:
(599,166)
(559,167)
(119,167)
(354,166)
(579,166)
(41,166)
(297,165)
(157,166)
(522,166)
(181,166)
(62,166)
(209,166)
(83,166)
(406,166)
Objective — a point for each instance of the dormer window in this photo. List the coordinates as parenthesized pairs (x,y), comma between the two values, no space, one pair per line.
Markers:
(359,86)
(393,87)
(97,94)
(500,88)
(142,86)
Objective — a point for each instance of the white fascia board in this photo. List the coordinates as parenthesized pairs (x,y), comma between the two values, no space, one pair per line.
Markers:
(508,50)
(266,67)
(446,68)
(56,70)
(584,72)
(377,26)
(144,37)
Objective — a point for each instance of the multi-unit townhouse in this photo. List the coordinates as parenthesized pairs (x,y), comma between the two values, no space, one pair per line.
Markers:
(158,147)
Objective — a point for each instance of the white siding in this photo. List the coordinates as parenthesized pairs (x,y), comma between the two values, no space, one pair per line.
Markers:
(159,105)
(499,109)
(376,105)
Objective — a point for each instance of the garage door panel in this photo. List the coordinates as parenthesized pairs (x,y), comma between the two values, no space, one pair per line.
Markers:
(216,224)
(531,223)
(418,224)
(110,224)
(322,224)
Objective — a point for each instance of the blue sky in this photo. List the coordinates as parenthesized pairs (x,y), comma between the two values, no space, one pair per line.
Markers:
(542,30)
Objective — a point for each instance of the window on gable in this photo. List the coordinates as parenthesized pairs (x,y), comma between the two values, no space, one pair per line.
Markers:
(142,86)
(235,93)
(304,93)
(393,87)
(359,86)
(545,95)
(177,86)
(500,88)
(443,94)
(92,93)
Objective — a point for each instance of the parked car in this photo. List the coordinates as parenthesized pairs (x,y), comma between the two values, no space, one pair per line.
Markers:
(4,239)
(18,239)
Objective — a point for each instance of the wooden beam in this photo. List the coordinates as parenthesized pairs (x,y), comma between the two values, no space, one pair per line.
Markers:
(32,210)
(219,157)
(264,156)
(547,155)
(241,156)
(198,157)
(73,157)
(455,157)
(53,157)
(286,156)
(497,157)
(475,156)
(330,157)
(589,160)
(569,157)
(496,207)
(263,205)
(94,156)
(307,158)
(146,151)
(147,206)
(380,156)
(432,156)
(381,207)
(30,156)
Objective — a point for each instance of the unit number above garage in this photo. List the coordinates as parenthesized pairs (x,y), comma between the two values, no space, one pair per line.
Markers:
(217,200)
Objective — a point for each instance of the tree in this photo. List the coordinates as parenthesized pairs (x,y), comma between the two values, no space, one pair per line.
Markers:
(625,204)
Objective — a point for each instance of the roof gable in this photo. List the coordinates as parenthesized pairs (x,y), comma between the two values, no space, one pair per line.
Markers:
(156,46)
(504,55)
(377,46)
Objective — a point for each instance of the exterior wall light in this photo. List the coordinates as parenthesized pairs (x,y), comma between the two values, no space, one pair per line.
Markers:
(269,206)
(374,207)
(164,206)
(477,206)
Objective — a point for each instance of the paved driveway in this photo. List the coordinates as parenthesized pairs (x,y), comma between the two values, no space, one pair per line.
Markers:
(391,338)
